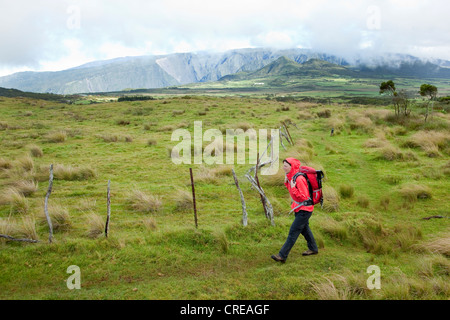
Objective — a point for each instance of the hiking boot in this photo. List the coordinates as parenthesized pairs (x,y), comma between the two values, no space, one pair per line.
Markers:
(309,252)
(277,258)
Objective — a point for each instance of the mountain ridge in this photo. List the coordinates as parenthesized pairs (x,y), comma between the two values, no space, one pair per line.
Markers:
(159,71)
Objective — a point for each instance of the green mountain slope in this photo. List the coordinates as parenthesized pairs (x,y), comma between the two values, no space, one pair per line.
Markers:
(284,68)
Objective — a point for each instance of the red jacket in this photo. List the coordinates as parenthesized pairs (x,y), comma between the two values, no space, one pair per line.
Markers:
(300,191)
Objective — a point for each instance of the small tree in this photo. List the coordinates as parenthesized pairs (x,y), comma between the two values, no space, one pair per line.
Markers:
(389,89)
(402,102)
(430,91)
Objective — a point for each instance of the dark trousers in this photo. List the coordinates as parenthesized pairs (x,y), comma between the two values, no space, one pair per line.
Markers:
(299,226)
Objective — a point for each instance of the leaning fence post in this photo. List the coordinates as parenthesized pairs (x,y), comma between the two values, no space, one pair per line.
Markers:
(287,130)
(108,208)
(193,197)
(49,191)
(244,209)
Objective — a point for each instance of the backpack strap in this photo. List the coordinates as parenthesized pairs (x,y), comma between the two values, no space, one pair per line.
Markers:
(307,202)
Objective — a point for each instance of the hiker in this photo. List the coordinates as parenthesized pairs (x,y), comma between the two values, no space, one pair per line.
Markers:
(299,192)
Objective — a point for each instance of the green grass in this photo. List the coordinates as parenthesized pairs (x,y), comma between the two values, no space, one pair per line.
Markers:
(159,254)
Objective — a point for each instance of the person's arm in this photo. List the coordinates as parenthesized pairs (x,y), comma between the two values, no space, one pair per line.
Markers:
(299,190)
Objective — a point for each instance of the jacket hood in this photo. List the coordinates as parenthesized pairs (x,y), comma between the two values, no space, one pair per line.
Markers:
(295,166)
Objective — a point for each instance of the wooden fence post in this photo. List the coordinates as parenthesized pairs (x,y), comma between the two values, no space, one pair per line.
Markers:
(49,191)
(244,209)
(108,208)
(193,198)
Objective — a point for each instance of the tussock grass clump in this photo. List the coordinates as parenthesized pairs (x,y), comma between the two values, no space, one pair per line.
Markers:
(222,241)
(96,225)
(168,127)
(384,201)
(370,232)
(305,115)
(346,191)
(59,216)
(330,291)
(324,113)
(177,112)
(5,164)
(330,199)
(87,204)
(375,143)
(108,137)
(27,229)
(128,138)
(206,175)
(391,153)
(243,125)
(363,201)
(26,163)
(23,229)
(274,180)
(17,201)
(3,125)
(26,187)
(406,236)
(360,122)
(122,122)
(183,200)
(223,170)
(57,137)
(150,223)
(144,202)
(412,192)
(429,141)
(334,229)
(304,149)
(69,173)
(36,151)
(439,245)
(149,125)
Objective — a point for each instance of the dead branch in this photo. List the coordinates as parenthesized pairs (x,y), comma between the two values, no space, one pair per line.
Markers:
(14,239)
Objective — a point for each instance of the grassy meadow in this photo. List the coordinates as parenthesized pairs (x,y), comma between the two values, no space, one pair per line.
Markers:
(383,176)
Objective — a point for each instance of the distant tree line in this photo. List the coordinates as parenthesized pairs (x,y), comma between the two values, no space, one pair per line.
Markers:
(135,98)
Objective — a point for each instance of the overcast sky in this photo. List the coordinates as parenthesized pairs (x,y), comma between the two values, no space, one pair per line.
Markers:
(59,34)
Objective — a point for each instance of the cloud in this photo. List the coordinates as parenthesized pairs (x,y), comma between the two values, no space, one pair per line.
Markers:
(59,34)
